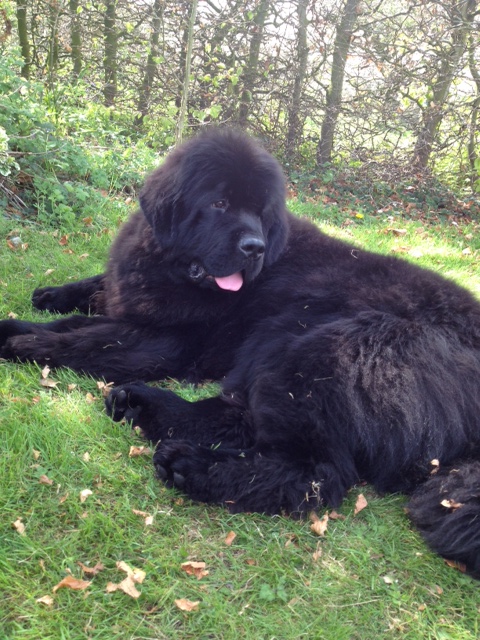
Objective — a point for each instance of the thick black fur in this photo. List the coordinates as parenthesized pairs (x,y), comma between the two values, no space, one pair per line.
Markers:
(338,365)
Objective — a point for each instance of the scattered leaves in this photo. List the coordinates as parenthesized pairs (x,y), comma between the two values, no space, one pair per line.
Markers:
(128,584)
(105,388)
(19,526)
(360,504)
(47,600)
(186,605)
(139,451)
(70,582)
(319,525)
(91,571)
(196,569)
(230,538)
(459,566)
(84,494)
(148,517)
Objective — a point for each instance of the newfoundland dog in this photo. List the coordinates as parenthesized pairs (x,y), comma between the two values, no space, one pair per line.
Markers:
(337,365)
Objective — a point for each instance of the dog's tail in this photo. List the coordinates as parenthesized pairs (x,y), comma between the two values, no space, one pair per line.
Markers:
(446,510)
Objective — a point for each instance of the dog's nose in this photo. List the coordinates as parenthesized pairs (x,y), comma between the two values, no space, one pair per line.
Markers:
(252,247)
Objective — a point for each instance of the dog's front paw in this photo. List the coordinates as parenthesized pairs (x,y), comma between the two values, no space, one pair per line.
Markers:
(50,299)
(10,328)
(185,465)
(126,402)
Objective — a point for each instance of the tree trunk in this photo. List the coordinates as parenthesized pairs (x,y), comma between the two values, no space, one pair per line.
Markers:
(251,69)
(148,78)
(294,120)
(75,38)
(334,94)
(23,37)
(52,59)
(110,56)
(462,18)
(186,81)
(473,128)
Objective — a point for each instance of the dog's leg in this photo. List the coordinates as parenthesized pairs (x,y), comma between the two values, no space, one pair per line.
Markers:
(98,346)
(248,480)
(84,296)
(163,415)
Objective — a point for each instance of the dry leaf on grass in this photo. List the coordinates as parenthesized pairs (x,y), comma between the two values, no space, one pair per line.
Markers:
(230,538)
(459,566)
(196,569)
(91,571)
(70,582)
(36,454)
(19,526)
(85,494)
(139,451)
(45,480)
(319,525)
(105,388)
(186,605)
(136,574)
(360,504)
(127,586)
(47,600)
(147,517)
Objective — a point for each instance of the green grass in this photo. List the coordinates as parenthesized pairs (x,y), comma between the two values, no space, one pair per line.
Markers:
(370,576)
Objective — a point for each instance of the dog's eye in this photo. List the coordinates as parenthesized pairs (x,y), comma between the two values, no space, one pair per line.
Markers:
(220,204)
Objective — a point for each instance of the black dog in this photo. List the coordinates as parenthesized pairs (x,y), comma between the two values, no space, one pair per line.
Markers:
(339,365)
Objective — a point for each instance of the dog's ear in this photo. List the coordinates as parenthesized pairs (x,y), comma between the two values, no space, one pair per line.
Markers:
(275,214)
(159,198)
(276,237)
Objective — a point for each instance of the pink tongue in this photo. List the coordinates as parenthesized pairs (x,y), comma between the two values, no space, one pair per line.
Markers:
(230,283)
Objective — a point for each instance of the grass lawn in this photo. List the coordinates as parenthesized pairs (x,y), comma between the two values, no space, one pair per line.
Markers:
(369,577)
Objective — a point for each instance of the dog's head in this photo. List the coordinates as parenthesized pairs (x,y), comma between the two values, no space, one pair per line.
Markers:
(217,207)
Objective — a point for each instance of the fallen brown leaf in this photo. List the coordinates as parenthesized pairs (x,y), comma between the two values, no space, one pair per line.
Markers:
(45,480)
(91,571)
(319,525)
(137,575)
(186,605)
(19,526)
(85,494)
(196,569)
(360,504)
(36,454)
(139,451)
(459,566)
(105,388)
(72,583)
(47,600)
(230,538)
